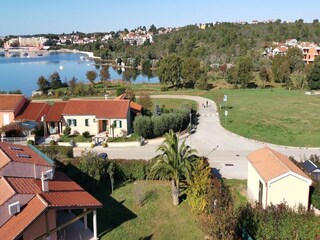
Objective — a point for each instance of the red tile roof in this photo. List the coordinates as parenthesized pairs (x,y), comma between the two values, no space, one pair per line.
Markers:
(55,113)
(71,199)
(135,107)
(98,108)
(19,222)
(271,164)
(63,192)
(6,191)
(9,102)
(33,112)
(7,149)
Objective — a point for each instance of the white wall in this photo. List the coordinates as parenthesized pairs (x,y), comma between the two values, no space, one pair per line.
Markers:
(253,185)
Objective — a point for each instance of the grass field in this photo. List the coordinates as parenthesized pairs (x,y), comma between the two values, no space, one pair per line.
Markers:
(238,189)
(273,115)
(175,103)
(157,218)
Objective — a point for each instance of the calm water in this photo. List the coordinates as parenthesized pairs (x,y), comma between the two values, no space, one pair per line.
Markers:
(22,72)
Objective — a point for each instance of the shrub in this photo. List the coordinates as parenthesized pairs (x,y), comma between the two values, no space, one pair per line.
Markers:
(139,193)
(315,195)
(56,151)
(86,134)
(65,98)
(67,131)
(92,145)
(52,142)
(143,126)
(120,90)
(164,88)
(31,142)
(104,144)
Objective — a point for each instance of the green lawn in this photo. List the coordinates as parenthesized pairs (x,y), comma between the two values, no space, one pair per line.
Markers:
(238,190)
(175,103)
(273,115)
(122,218)
(78,138)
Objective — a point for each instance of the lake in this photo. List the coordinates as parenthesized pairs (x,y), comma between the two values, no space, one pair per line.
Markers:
(21,71)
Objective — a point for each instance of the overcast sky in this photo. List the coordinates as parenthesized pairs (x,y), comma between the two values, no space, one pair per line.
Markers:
(57,16)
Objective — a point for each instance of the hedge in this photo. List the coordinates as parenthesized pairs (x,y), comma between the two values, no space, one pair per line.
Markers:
(54,151)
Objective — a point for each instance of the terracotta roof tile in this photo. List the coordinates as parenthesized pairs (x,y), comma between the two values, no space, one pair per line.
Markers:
(135,106)
(63,192)
(98,108)
(9,102)
(24,185)
(271,164)
(33,112)
(74,199)
(55,112)
(6,191)
(13,154)
(19,222)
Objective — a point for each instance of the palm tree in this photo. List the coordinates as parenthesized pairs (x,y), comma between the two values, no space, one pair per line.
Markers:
(175,162)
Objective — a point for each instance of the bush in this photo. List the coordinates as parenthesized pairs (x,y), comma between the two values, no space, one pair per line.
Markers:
(67,131)
(86,134)
(156,126)
(104,144)
(164,89)
(52,142)
(31,142)
(139,193)
(130,169)
(56,151)
(120,90)
(315,195)
(143,126)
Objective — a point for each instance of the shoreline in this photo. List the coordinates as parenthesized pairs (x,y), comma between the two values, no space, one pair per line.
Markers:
(89,54)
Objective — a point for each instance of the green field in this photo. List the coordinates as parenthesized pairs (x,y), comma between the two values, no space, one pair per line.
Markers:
(157,218)
(273,115)
(175,103)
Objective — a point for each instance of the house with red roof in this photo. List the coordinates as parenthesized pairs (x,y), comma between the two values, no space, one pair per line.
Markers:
(95,116)
(33,196)
(10,107)
(274,179)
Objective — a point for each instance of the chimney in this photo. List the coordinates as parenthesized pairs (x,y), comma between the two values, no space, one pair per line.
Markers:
(44,183)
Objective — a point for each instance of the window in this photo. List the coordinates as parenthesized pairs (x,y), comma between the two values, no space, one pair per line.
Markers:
(72,122)
(120,124)
(23,155)
(115,123)
(86,122)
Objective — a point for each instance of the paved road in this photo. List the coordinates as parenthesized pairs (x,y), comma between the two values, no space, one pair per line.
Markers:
(226,151)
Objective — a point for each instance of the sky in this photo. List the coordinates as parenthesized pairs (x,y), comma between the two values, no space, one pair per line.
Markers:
(22,17)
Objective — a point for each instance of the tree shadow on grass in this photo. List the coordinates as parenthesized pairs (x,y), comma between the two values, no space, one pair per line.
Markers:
(146,238)
(113,213)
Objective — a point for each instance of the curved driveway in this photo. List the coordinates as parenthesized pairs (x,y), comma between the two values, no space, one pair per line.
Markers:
(229,158)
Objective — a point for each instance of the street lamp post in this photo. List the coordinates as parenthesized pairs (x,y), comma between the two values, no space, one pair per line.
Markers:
(44,127)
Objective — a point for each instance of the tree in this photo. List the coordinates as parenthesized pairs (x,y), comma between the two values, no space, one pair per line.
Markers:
(153,29)
(198,186)
(170,70)
(314,76)
(264,75)
(110,171)
(295,59)
(280,69)
(299,80)
(72,84)
(104,73)
(55,80)
(145,101)
(91,76)
(43,84)
(191,71)
(176,162)
(245,74)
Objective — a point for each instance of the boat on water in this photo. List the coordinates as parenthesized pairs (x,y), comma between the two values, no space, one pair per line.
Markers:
(82,58)
(25,54)
(40,54)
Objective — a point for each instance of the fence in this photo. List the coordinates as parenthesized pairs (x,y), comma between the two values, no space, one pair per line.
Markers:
(19,140)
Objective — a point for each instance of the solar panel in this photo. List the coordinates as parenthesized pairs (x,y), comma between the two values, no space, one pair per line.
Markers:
(16,148)
(23,155)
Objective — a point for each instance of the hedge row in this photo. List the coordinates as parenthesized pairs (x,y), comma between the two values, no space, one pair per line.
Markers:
(156,126)
(57,152)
